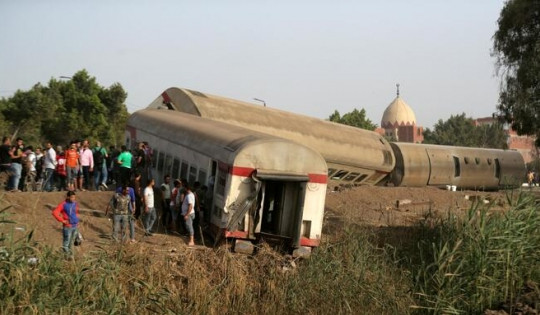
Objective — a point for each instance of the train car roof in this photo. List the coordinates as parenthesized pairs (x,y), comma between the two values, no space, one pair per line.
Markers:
(457,149)
(223,140)
(336,142)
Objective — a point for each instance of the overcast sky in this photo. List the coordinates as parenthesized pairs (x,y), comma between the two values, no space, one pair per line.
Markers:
(309,57)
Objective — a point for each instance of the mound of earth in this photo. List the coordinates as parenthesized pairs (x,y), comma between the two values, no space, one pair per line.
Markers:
(372,206)
(403,206)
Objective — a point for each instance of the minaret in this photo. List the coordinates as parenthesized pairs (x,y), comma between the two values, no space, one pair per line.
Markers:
(397,85)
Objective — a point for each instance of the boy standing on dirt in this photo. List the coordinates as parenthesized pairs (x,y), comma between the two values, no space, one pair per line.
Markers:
(67,213)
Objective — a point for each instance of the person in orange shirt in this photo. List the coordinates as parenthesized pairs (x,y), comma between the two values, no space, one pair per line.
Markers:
(72,166)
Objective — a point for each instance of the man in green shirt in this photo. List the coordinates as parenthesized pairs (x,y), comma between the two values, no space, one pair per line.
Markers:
(124,160)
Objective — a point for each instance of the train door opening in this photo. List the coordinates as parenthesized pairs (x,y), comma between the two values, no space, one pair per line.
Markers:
(280,206)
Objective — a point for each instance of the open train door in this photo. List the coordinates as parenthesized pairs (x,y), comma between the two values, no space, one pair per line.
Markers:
(281,207)
(277,211)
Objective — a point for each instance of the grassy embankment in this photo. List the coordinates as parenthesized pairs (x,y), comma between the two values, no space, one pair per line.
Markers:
(458,265)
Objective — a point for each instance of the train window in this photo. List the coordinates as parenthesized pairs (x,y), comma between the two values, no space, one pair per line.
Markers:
(192,174)
(168,164)
(183,170)
(457,168)
(351,176)
(489,161)
(339,175)
(331,171)
(221,182)
(202,177)
(361,178)
(466,160)
(477,160)
(154,158)
(175,168)
(497,169)
(160,162)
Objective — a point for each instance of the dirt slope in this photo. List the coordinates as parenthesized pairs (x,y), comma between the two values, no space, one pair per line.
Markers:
(374,206)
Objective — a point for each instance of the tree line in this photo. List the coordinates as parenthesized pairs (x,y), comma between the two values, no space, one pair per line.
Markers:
(458,130)
(64,110)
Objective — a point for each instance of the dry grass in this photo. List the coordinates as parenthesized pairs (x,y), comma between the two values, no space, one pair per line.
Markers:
(455,265)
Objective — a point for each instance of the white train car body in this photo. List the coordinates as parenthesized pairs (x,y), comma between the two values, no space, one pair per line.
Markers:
(260,186)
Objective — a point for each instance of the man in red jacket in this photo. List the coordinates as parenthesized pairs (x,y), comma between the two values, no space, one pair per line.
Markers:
(67,213)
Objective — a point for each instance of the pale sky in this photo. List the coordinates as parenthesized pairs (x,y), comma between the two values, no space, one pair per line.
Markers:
(309,57)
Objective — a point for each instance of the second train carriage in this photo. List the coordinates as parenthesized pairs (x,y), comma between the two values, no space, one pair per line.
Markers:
(357,155)
(261,186)
(464,167)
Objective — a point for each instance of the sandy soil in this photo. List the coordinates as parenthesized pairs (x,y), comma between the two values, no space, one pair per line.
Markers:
(372,206)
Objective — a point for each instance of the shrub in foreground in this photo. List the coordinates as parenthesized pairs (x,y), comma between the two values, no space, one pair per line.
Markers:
(481,260)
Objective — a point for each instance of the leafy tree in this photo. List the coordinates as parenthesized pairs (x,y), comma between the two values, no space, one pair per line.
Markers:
(460,130)
(491,136)
(67,110)
(516,44)
(355,118)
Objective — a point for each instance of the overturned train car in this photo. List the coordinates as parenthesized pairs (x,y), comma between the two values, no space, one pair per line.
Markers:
(463,167)
(259,186)
(359,156)
(364,156)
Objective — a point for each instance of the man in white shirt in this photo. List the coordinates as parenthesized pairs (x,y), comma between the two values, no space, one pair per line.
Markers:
(188,212)
(49,164)
(149,208)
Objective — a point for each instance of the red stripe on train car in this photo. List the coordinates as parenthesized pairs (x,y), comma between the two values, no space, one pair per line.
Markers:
(241,171)
(236,234)
(318,178)
(166,98)
(311,242)
(247,171)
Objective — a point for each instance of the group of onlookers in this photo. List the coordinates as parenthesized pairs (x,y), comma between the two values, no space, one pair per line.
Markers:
(78,167)
(182,206)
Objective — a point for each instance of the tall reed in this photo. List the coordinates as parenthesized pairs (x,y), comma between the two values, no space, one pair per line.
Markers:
(476,262)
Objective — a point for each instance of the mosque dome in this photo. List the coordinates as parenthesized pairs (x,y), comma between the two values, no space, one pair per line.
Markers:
(398,113)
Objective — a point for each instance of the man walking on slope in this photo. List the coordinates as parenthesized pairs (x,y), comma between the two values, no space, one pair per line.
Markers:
(149,209)
(122,210)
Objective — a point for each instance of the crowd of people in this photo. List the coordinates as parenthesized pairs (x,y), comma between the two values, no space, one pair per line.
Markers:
(80,167)
(77,167)
(182,207)
(181,204)
(182,210)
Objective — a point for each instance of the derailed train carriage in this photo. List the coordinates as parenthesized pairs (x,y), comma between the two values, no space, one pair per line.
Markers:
(260,187)
(467,168)
(356,155)
(360,156)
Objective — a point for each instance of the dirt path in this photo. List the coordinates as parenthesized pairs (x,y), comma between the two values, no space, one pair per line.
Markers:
(373,206)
